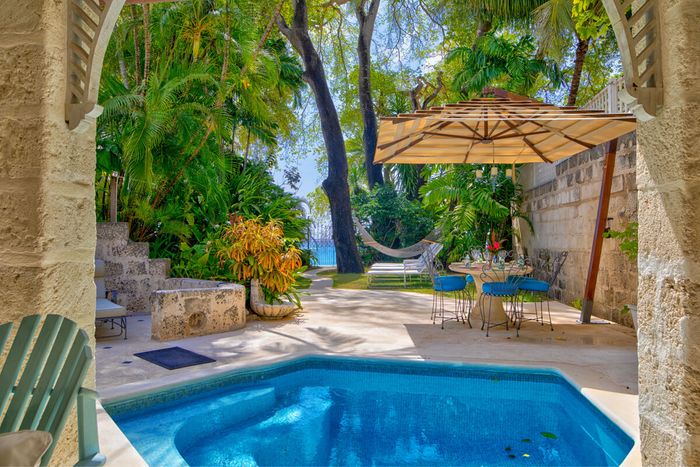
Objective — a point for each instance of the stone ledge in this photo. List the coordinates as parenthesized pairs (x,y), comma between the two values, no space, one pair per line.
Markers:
(197,311)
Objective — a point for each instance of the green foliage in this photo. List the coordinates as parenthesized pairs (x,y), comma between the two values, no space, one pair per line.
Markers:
(628,240)
(502,61)
(394,220)
(577,303)
(195,141)
(468,208)
(590,18)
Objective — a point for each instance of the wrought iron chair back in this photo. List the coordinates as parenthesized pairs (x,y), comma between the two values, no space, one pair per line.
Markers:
(547,269)
(557,266)
(477,255)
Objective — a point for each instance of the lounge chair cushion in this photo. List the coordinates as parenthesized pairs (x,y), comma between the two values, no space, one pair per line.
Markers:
(106,309)
(23,448)
(394,272)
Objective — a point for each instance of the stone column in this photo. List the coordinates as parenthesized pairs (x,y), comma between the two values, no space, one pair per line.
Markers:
(47,208)
(668,177)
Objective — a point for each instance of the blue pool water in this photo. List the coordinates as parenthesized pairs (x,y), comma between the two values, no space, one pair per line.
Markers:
(342,411)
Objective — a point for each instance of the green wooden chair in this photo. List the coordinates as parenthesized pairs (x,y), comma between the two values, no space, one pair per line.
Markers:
(42,396)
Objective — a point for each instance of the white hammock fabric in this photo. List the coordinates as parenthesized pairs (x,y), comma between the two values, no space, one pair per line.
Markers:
(416,249)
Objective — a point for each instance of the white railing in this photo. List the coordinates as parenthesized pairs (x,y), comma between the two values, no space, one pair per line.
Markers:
(608,99)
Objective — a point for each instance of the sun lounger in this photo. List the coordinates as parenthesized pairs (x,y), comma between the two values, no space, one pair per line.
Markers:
(428,255)
(107,311)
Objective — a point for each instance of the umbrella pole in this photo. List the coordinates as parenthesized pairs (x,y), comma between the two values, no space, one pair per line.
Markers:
(603,204)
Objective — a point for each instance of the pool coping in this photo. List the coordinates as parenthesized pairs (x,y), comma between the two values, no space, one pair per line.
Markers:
(120,393)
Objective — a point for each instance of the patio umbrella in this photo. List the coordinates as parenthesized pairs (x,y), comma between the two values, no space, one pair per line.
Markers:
(509,129)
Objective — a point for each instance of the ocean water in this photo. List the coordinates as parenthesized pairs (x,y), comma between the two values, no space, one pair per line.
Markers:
(353,412)
(324,255)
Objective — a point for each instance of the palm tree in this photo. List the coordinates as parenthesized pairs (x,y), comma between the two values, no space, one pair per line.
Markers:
(501,61)
(468,207)
(488,12)
(163,114)
(555,24)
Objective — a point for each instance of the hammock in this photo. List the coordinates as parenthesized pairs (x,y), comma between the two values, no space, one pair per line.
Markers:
(416,249)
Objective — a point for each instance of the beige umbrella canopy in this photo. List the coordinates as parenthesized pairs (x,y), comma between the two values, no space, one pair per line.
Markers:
(501,130)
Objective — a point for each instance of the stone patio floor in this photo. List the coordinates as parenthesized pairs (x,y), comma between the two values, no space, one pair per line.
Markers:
(600,359)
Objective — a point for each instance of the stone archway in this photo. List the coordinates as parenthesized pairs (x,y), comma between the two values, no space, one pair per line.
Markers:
(49,77)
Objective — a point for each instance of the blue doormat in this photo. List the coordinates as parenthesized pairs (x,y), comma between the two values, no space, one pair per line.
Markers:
(173,358)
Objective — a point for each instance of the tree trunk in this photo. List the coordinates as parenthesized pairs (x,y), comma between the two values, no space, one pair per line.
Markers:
(146,41)
(227,41)
(122,64)
(137,48)
(113,196)
(103,209)
(336,184)
(483,28)
(581,51)
(369,118)
(247,147)
(420,181)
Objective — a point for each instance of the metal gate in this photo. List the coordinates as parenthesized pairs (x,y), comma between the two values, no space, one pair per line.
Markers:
(319,240)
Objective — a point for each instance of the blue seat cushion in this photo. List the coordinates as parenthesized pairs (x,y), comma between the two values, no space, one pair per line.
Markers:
(449,283)
(533,285)
(499,289)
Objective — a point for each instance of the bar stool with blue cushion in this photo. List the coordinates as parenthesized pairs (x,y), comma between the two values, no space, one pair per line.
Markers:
(540,287)
(499,283)
(462,298)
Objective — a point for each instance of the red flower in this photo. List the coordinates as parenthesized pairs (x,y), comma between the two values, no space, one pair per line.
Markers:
(494,247)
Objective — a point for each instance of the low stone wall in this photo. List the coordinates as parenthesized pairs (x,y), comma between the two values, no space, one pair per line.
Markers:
(196,308)
(128,269)
(561,200)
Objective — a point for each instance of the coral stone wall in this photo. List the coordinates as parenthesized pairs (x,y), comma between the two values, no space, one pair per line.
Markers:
(561,200)
(668,180)
(187,307)
(47,208)
(128,270)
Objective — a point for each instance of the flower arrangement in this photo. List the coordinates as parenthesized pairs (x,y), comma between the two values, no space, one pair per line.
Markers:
(494,247)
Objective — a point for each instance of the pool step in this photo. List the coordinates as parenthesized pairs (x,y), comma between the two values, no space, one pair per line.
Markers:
(296,433)
(228,411)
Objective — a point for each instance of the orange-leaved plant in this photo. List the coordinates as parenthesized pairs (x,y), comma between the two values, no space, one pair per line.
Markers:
(257,250)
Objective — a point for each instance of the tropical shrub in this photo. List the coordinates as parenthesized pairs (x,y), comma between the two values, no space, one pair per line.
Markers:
(472,211)
(259,250)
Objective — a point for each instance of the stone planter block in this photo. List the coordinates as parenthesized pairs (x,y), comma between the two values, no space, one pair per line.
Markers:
(185,312)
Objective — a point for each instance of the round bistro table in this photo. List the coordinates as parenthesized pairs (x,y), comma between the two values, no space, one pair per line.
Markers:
(498,313)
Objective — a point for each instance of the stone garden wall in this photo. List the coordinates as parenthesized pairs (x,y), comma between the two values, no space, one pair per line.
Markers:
(191,307)
(561,200)
(128,270)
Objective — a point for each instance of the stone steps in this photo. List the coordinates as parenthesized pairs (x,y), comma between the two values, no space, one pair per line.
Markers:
(129,270)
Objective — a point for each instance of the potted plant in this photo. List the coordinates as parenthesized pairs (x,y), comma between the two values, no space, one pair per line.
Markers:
(259,255)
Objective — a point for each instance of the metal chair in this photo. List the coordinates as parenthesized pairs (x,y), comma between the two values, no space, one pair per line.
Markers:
(545,275)
(462,299)
(497,283)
